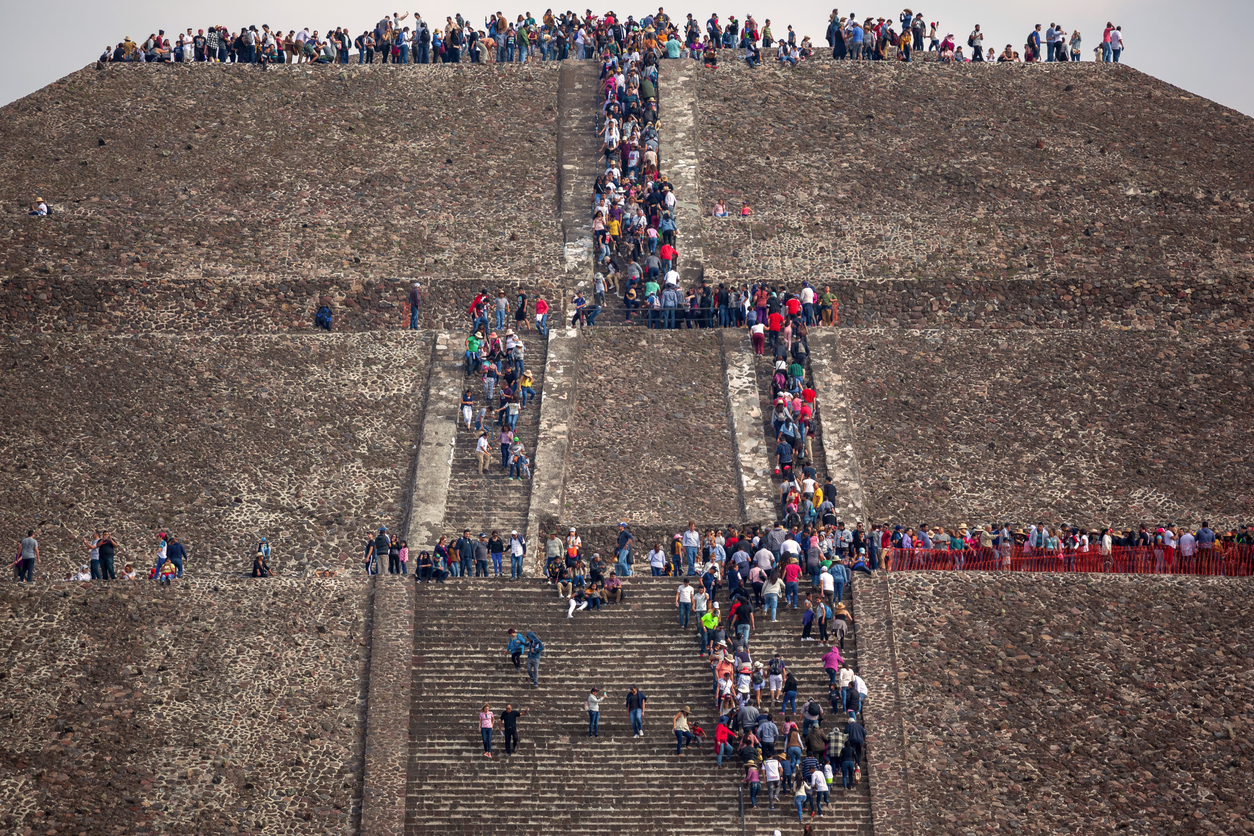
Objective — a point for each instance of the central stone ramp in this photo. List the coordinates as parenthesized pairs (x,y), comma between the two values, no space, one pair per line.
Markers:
(560,780)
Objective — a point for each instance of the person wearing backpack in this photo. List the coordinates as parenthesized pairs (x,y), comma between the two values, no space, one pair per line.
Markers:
(377,550)
(976,41)
(534,648)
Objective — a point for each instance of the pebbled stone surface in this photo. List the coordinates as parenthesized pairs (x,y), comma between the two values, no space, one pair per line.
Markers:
(309,440)
(217,705)
(920,192)
(651,439)
(1115,428)
(1049,704)
(242,170)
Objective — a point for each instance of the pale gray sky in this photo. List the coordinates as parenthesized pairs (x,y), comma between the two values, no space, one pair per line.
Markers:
(38,52)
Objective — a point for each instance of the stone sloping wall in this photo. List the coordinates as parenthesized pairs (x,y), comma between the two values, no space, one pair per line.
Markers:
(1097,704)
(230,303)
(1082,428)
(380,169)
(306,440)
(216,705)
(893,802)
(1069,195)
(387,720)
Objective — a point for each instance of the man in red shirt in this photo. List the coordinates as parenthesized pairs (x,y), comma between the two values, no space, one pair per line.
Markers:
(668,256)
(794,306)
(808,395)
(774,323)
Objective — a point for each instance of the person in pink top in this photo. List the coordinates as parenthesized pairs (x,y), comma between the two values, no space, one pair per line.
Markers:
(832,660)
(487,722)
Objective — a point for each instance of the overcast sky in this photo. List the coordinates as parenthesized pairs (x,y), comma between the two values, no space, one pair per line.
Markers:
(38,54)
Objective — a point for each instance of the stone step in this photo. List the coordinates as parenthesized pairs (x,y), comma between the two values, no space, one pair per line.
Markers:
(559,775)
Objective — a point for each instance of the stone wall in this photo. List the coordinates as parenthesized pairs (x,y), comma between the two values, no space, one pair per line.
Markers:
(1088,428)
(651,438)
(228,303)
(213,706)
(982,195)
(1050,704)
(892,797)
(307,440)
(387,722)
(247,171)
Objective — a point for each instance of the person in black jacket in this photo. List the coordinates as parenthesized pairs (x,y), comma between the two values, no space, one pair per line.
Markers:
(857,736)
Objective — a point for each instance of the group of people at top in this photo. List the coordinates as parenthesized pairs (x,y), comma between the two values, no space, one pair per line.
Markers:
(404,38)
(880,39)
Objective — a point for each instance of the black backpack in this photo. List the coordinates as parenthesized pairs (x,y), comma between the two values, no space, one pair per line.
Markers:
(323,318)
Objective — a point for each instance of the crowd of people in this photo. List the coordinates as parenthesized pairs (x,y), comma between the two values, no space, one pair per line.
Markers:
(410,39)
(880,39)
(496,354)
(776,740)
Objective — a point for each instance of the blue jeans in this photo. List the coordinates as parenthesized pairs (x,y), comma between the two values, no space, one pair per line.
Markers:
(527,393)
(594,719)
(500,320)
(455,568)
(682,739)
(800,801)
(772,603)
(846,774)
(178,564)
(668,318)
(543,325)
(515,566)
(790,593)
(724,750)
(496,563)
(481,568)
(685,609)
(637,720)
(515,470)
(790,699)
(467,567)
(838,592)
(413,318)
(691,553)
(794,756)
(742,632)
(486,734)
(95,570)
(404,53)
(704,635)
(424,53)
(26,572)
